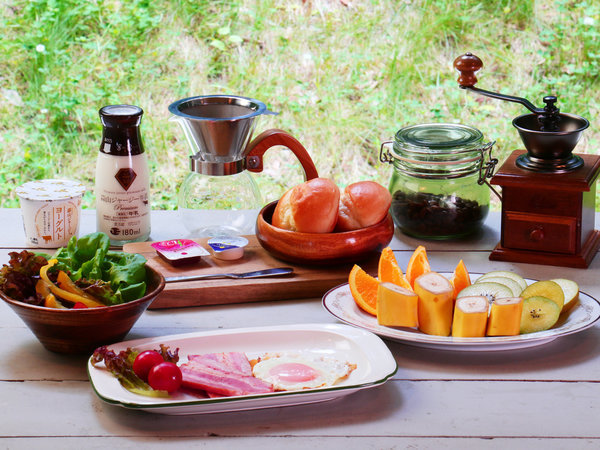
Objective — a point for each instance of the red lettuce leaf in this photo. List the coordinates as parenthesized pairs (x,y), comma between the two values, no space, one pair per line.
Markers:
(18,278)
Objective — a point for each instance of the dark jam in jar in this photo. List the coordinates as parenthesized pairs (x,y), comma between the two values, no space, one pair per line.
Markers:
(435,186)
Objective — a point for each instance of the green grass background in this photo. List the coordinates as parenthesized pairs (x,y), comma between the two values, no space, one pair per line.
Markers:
(345,75)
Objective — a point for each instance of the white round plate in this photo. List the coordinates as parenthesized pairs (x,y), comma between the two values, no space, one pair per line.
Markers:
(339,302)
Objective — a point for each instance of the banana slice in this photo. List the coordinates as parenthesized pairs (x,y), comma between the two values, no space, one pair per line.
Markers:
(470,317)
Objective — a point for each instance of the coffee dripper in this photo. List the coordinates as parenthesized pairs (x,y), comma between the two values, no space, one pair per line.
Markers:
(219,129)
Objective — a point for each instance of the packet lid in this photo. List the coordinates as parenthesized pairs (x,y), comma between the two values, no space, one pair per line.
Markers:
(50,189)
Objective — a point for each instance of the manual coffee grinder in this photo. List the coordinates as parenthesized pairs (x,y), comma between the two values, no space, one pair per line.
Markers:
(219,130)
(548,193)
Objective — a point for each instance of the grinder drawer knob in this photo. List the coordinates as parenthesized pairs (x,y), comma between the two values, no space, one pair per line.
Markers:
(537,234)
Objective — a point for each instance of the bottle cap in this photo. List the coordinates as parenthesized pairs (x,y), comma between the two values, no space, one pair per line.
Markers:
(119,116)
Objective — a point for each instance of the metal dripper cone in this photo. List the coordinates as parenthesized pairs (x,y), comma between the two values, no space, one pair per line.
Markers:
(218,127)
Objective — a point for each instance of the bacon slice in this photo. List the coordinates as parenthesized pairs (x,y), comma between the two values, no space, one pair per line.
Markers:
(226,374)
(227,362)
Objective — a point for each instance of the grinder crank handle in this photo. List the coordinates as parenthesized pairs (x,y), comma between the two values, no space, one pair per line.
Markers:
(468,64)
(271,138)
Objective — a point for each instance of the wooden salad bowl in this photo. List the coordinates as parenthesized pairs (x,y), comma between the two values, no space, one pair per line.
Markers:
(321,248)
(76,331)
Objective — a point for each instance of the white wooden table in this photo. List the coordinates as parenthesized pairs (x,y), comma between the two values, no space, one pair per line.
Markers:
(542,397)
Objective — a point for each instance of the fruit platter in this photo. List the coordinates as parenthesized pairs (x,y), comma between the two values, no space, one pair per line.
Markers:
(497,310)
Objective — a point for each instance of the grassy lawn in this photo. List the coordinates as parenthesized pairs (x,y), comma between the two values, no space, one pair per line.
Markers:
(344,75)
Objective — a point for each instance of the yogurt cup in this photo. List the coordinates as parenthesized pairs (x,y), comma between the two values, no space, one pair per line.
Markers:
(51,210)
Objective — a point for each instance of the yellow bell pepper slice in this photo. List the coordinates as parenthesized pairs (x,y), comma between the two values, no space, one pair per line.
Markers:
(51,302)
(64,282)
(42,288)
(62,293)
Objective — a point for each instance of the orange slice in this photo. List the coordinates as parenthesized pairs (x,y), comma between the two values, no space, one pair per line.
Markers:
(364,289)
(417,265)
(461,278)
(389,270)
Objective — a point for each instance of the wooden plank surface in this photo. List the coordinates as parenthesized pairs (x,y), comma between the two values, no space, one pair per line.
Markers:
(305,282)
(400,408)
(542,397)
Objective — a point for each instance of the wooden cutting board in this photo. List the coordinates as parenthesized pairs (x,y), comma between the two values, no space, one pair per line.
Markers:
(305,282)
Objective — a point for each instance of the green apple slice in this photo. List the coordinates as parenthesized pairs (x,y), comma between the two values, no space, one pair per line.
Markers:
(571,291)
(548,289)
(506,274)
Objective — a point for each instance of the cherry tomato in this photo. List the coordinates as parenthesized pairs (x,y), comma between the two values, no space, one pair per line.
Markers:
(146,361)
(165,376)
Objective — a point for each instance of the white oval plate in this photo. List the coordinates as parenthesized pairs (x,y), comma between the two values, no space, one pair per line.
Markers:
(339,302)
(374,365)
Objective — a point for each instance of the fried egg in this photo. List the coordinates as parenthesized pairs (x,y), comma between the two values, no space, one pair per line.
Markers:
(297,371)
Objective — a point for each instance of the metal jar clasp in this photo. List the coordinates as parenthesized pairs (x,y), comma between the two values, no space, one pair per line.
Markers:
(486,168)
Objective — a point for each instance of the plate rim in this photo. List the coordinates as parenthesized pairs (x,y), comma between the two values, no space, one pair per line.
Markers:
(242,402)
(488,343)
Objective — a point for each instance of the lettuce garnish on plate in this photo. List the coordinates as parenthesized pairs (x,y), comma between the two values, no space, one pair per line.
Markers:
(121,366)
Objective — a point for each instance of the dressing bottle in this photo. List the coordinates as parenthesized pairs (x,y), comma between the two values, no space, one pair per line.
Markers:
(122,177)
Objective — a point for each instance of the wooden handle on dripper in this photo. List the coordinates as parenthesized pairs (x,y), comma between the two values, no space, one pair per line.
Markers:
(271,138)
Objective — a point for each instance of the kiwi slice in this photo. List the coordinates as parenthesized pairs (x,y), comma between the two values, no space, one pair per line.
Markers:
(539,314)
(490,290)
(548,289)
(514,286)
(506,274)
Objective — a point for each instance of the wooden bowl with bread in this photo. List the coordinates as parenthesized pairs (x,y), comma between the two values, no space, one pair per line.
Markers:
(313,223)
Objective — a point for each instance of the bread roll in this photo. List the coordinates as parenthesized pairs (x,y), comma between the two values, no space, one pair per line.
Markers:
(310,207)
(363,204)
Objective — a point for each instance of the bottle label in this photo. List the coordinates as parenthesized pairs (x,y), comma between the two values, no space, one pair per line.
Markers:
(122,197)
(125,177)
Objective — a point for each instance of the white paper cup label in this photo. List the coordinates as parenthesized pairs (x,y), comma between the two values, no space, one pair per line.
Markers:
(51,210)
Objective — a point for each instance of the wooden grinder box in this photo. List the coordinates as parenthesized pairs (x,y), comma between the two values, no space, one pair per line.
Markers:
(548,218)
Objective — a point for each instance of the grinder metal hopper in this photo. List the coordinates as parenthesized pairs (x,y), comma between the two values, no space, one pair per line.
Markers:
(549,136)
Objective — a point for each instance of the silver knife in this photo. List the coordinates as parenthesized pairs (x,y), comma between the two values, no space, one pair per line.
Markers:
(256,274)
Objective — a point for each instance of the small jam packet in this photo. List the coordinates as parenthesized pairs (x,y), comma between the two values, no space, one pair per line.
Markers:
(179,251)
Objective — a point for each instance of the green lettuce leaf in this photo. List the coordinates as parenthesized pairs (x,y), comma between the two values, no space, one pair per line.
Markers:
(115,277)
(121,366)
